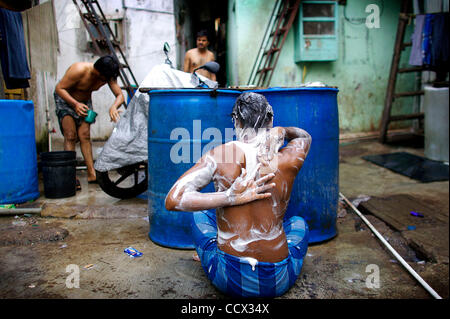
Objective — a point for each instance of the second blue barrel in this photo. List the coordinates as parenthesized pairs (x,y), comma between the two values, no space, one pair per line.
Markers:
(315,193)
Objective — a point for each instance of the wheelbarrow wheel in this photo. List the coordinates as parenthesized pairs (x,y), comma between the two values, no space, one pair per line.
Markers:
(125,182)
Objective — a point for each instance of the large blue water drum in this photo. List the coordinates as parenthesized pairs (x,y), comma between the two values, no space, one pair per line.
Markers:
(316,190)
(182,123)
(18,158)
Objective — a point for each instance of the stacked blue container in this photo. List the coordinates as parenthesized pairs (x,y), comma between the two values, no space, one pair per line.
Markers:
(18,158)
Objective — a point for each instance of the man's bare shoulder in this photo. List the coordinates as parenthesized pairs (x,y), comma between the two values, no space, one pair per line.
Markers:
(191,52)
(211,55)
(78,69)
(80,66)
(228,153)
(293,154)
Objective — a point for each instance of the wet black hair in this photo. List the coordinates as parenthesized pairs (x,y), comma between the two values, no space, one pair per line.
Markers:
(108,66)
(252,110)
(202,33)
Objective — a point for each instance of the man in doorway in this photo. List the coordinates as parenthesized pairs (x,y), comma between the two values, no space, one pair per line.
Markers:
(199,56)
(73,100)
(245,247)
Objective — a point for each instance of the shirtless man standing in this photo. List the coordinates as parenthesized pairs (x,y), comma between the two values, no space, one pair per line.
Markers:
(253,179)
(198,56)
(73,100)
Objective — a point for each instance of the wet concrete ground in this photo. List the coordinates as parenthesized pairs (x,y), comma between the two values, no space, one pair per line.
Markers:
(38,254)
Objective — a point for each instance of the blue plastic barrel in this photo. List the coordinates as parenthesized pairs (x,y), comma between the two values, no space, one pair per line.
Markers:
(315,192)
(186,114)
(18,157)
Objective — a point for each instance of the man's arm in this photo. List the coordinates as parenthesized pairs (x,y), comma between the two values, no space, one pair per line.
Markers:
(298,136)
(299,142)
(70,79)
(187,62)
(117,91)
(185,193)
(213,75)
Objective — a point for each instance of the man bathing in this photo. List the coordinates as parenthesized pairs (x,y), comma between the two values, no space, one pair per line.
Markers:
(253,178)
(73,100)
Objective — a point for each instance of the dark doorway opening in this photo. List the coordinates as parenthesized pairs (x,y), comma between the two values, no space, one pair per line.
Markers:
(192,16)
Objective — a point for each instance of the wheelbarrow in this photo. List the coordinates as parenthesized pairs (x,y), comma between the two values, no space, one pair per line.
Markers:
(121,166)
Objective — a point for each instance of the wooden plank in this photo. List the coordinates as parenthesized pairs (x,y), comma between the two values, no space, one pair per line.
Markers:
(406,44)
(403,94)
(412,69)
(407,117)
(432,243)
(395,211)
(430,236)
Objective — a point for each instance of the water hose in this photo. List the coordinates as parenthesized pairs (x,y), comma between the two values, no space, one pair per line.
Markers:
(392,250)
(18,211)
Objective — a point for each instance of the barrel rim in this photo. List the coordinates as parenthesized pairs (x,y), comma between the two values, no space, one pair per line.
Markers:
(288,89)
(54,163)
(241,90)
(191,90)
(58,154)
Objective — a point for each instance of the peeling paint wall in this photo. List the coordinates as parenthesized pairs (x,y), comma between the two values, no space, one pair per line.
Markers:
(146,26)
(361,71)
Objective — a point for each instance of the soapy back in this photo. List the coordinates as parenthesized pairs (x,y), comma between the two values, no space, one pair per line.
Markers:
(253,229)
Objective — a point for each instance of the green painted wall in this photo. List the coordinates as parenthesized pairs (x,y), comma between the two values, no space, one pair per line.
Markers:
(361,71)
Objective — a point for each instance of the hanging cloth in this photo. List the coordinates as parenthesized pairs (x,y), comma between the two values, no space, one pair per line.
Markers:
(415,57)
(13,51)
(440,43)
(427,39)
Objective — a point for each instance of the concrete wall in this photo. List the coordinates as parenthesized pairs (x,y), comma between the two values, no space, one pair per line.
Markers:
(184,31)
(361,71)
(146,26)
(232,44)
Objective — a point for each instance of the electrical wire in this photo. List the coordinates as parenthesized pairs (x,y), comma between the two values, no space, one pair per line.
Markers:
(392,250)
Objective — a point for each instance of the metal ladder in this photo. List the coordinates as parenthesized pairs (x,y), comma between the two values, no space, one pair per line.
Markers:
(104,39)
(281,20)
(395,70)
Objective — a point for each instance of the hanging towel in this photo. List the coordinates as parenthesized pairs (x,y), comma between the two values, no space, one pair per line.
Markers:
(415,57)
(427,39)
(440,42)
(41,36)
(13,52)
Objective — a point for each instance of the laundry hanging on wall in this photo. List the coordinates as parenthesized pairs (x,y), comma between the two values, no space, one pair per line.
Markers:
(415,57)
(430,42)
(13,53)
(41,34)
(440,42)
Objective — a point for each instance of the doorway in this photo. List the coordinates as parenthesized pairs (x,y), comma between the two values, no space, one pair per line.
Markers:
(192,16)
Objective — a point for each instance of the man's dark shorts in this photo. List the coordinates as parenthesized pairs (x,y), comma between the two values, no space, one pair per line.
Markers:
(63,108)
